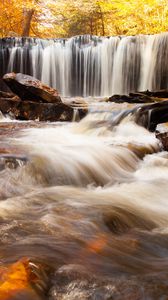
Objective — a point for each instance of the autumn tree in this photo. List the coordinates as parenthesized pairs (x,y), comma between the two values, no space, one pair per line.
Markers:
(19,17)
(66,18)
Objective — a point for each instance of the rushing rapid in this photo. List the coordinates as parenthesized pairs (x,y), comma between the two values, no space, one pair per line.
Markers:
(86,204)
(90,65)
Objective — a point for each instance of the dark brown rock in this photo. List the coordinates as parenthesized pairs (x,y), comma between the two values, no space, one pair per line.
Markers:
(140,97)
(146,115)
(163,137)
(27,110)
(158,94)
(12,161)
(79,106)
(30,88)
(151,115)
(9,96)
(45,111)
(8,106)
(132,98)
(77,280)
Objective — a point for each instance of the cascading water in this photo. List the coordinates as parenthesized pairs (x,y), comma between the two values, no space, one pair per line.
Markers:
(90,65)
(84,207)
(83,210)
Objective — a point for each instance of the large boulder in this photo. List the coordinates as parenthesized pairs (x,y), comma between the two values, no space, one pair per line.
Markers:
(30,88)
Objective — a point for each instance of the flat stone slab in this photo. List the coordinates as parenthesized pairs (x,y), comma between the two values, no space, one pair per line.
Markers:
(29,110)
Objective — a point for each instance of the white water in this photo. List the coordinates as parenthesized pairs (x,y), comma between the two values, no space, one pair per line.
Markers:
(86,65)
(89,205)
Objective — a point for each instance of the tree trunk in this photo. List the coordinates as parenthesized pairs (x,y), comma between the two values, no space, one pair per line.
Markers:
(27,15)
(102,20)
(91,26)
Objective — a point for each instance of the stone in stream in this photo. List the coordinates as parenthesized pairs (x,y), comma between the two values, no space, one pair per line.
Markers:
(163,137)
(131,98)
(76,282)
(79,106)
(157,93)
(29,110)
(36,101)
(9,96)
(12,161)
(30,88)
(150,115)
(140,97)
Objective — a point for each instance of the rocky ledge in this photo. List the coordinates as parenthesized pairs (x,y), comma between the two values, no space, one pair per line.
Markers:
(30,99)
(140,97)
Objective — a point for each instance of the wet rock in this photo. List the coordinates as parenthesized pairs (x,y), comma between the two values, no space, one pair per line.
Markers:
(158,94)
(120,221)
(30,88)
(3,86)
(132,98)
(9,105)
(163,137)
(29,110)
(80,107)
(74,283)
(147,115)
(82,112)
(12,161)
(44,112)
(8,96)
(37,101)
(140,97)
(151,115)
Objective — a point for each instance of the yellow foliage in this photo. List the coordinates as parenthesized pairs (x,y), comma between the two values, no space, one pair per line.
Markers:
(62,18)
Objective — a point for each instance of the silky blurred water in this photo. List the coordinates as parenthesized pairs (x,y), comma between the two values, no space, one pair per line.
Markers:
(86,203)
(90,65)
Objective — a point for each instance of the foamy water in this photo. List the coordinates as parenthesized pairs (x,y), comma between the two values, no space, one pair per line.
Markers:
(89,207)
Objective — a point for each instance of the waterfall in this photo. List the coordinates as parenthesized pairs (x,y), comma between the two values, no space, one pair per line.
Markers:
(90,65)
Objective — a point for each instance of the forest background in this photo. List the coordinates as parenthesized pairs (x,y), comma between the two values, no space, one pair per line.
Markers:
(66,18)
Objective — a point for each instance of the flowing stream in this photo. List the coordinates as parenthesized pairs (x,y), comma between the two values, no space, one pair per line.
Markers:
(86,204)
(90,65)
